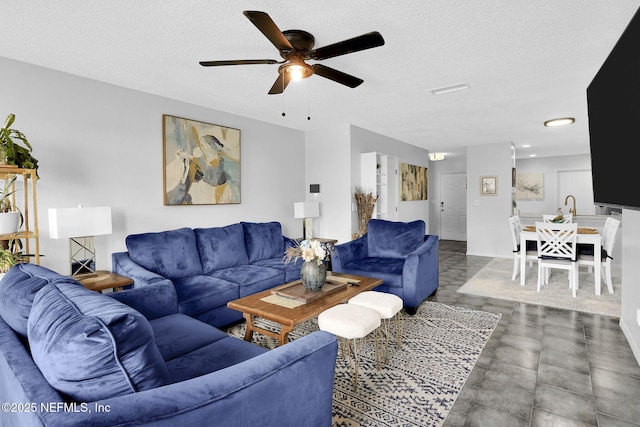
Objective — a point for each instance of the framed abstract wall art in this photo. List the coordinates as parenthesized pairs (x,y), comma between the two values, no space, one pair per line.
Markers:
(414,182)
(530,186)
(489,185)
(201,162)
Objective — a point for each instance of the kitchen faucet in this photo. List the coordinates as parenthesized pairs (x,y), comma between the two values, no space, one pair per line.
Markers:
(572,210)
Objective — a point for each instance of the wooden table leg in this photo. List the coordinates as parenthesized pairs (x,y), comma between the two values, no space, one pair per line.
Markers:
(248,333)
(283,338)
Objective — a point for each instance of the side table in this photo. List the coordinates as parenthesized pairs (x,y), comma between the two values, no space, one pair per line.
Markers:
(102,279)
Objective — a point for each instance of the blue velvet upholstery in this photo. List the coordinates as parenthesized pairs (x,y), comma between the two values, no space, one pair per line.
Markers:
(252,277)
(172,254)
(291,269)
(221,247)
(389,239)
(235,260)
(263,240)
(17,290)
(398,253)
(197,294)
(177,334)
(89,346)
(214,379)
(153,301)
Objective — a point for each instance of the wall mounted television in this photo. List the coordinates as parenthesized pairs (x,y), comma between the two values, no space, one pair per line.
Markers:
(613,101)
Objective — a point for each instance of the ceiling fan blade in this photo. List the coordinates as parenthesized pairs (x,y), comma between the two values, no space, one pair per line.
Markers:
(238,62)
(365,41)
(280,84)
(269,28)
(336,76)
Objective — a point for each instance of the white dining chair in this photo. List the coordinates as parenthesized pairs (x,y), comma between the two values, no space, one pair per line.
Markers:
(566,218)
(531,255)
(557,249)
(609,234)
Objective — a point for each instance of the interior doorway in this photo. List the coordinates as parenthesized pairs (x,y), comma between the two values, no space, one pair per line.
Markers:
(453,206)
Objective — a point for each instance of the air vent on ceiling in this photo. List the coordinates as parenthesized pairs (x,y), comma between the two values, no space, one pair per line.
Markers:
(449,89)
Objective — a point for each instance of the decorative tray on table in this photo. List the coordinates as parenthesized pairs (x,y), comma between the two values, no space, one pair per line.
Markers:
(295,290)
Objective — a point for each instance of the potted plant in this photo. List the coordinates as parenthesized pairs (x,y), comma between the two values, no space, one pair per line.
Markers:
(14,147)
(7,259)
(10,215)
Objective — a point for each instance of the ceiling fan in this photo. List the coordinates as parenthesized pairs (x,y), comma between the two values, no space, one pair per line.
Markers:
(296,46)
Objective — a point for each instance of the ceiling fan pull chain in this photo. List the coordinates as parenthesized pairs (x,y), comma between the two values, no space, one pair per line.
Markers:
(308,102)
(283,86)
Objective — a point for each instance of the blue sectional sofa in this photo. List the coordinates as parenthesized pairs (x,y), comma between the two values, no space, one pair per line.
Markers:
(74,357)
(210,266)
(400,254)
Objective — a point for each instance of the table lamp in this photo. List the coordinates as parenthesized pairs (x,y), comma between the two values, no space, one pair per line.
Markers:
(306,210)
(80,225)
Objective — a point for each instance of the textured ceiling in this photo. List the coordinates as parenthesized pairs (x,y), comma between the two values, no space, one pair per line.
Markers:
(525,61)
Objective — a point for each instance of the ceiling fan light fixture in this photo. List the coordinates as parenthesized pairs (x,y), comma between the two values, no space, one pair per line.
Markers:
(298,71)
(563,121)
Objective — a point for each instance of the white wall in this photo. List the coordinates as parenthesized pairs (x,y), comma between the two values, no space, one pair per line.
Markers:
(550,166)
(630,272)
(328,163)
(333,161)
(101,145)
(487,234)
(364,141)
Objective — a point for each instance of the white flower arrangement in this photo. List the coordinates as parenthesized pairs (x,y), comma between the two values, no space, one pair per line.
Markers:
(308,250)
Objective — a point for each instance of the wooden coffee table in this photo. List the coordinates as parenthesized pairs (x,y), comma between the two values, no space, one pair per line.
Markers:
(253,306)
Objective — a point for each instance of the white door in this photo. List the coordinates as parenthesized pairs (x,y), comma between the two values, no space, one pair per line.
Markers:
(453,206)
(578,184)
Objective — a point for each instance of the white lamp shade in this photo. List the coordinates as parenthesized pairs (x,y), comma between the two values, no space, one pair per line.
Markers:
(306,209)
(79,222)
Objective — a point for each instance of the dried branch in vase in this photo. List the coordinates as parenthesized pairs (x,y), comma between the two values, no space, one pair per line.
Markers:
(365,203)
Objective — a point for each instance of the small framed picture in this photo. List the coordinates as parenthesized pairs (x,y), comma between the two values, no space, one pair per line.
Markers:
(489,185)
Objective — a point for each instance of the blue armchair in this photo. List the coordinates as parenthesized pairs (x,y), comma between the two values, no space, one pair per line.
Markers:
(400,254)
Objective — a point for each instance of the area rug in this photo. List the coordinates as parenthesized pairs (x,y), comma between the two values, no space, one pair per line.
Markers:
(494,281)
(420,382)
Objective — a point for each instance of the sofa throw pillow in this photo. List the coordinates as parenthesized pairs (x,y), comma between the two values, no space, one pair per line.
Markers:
(17,290)
(172,254)
(263,240)
(221,247)
(391,239)
(90,347)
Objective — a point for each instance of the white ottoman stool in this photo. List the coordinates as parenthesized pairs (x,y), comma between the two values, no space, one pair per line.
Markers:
(351,323)
(388,306)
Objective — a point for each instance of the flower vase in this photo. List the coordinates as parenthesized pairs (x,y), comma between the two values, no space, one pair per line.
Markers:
(313,275)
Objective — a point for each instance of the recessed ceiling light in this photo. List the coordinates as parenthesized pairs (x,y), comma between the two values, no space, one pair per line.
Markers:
(434,157)
(559,122)
(449,89)
(532,155)
(526,146)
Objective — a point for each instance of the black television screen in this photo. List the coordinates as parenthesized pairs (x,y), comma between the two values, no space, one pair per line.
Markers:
(613,100)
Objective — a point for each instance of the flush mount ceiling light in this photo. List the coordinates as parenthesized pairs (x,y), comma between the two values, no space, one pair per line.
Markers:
(449,89)
(434,157)
(559,122)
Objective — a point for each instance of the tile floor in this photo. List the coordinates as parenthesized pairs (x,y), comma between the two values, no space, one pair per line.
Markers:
(542,366)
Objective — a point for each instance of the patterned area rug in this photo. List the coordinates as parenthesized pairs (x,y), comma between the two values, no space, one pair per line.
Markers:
(420,382)
(494,281)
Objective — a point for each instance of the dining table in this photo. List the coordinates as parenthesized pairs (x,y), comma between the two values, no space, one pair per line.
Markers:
(586,235)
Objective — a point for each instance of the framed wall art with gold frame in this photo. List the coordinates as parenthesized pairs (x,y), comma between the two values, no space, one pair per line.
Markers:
(489,185)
